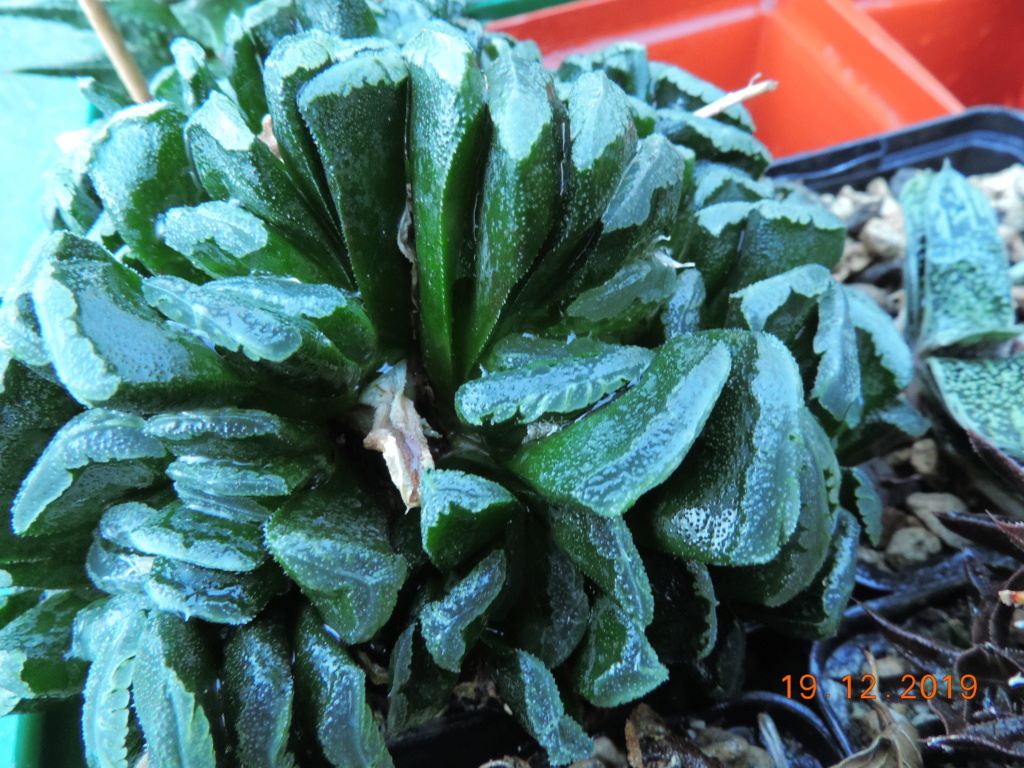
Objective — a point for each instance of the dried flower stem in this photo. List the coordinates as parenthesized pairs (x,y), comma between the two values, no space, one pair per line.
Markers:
(736,97)
(124,63)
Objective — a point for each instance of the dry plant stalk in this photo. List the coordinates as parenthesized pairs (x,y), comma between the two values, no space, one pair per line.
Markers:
(736,97)
(113,44)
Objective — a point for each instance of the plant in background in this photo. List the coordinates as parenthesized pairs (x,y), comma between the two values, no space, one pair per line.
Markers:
(612,380)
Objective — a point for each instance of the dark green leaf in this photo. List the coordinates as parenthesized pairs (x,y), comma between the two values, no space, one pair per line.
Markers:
(140,169)
(361,101)
(616,664)
(882,430)
(257,681)
(110,348)
(174,695)
(204,20)
(886,363)
(90,462)
(244,71)
(197,81)
(715,242)
(452,624)
(234,433)
(685,626)
(603,548)
(714,140)
(216,596)
(735,500)
(334,543)
(530,691)
(117,571)
(673,87)
(459,514)
(858,495)
(717,183)
(520,188)
(269,21)
(611,457)
(682,313)
(341,18)
(419,688)
(549,386)
(333,689)
(277,476)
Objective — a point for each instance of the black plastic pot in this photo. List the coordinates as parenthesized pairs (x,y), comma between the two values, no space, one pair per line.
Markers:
(979,140)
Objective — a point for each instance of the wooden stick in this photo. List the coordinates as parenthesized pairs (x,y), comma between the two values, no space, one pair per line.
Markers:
(736,97)
(124,63)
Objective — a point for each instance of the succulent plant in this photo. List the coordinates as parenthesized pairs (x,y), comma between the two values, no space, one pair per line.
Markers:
(610,376)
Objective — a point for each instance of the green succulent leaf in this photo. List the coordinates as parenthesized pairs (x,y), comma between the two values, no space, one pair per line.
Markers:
(258,693)
(237,433)
(984,396)
(791,571)
(520,188)
(530,691)
(110,348)
(675,88)
(139,169)
(225,240)
(419,687)
(784,306)
(446,136)
(105,712)
(197,81)
(333,542)
(99,622)
(816,612)
(612,456)
(244,68)
(229,477)
(361,102)
(624,63)
(213,595)
(460,513)
(233,164)
(958,287)
(452,624)
(682,313)
(268,22)
(116,570)
(717,183)
(342,18)
(549,386)
(714,245)
(603,548)
(886,363)
(91,461)
(616,664)
(735,499)
(859,495)
(883,430)
(172,691)
(33,648)
(332,688)
(182,533)
(685,626)
(713,140)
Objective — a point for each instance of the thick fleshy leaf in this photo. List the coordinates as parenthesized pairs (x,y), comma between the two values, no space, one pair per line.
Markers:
(717,183)
(672,87)
(225,240)
(882,430)
(116,570)
(212,595)
(460,513)
(110,348)
(985,397)
(624,305)
(859,495)
(520,188)
(549,386)
(361,102)
(816,612)
(140,169)
(551,623)
(90,462)
(452,624)
(791,571)
(182,533)
(290,347)
(98,623)
(173,692)
(736,498)
(234,165)
(33,649)
(609,458)
(193,71)
(105,712)
(334,543)
(624,63)
(603,548)
(682,313)
(685,626)
(257,682)
(278,476)
(341,18)
(235,433)
(244,71)
(419,688)
(268,22)
(333,690)
(886,363)
(530,691)
(714,140)
(785,306)
(642,210)
(447,123)
(616,664)
(780,236)
(958,286)
(715,242)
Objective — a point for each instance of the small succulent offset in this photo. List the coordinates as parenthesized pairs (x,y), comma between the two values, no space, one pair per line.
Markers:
(618,395)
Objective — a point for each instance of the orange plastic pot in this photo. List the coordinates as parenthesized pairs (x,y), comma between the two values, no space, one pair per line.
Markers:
(842,76)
